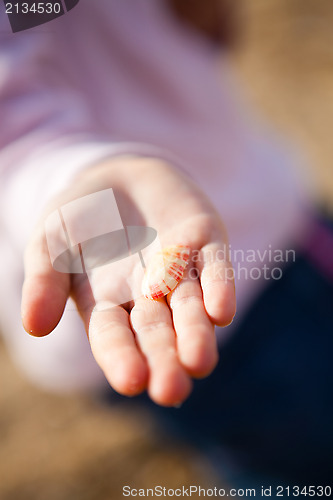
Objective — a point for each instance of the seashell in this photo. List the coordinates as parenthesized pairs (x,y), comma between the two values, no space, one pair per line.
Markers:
(164,271)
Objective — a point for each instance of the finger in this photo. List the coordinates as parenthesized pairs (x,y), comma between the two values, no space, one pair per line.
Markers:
(196,342)
(45,291)
(114,348)
(168,384)
(217,282)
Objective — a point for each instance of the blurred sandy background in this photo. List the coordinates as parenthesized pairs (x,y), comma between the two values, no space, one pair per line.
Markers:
(60,448)
(286,61)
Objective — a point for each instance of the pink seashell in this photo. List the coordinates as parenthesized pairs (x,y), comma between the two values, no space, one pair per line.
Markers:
(164,271)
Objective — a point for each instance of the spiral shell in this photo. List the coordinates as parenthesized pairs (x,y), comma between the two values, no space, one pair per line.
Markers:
(164,271)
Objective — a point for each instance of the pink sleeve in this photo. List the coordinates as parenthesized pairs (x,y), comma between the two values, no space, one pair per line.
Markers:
(41,120)
(47,130)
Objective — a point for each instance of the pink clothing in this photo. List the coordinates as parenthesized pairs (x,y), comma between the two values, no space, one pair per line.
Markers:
(121,76)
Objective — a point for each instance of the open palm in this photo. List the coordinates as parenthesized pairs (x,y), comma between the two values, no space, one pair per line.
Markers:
(141,343)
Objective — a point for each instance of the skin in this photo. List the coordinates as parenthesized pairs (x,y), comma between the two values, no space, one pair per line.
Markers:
(158,346)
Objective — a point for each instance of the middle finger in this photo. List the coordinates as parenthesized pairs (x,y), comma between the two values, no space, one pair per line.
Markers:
(151,320)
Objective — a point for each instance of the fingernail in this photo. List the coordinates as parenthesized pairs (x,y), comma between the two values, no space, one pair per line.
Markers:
(178,405)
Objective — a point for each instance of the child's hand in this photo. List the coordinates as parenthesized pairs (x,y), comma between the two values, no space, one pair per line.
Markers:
(158,345)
